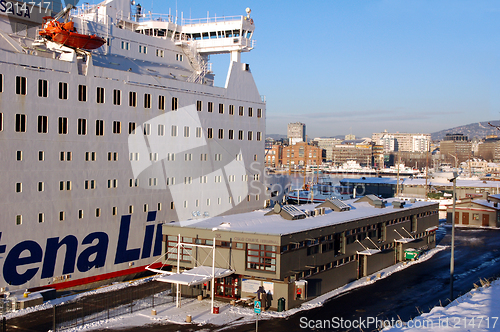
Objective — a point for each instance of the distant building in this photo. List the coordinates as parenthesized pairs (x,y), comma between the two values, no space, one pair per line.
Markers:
(274,156)
(455,148)
(350,137)
(456,138)
(405,142)
(301,154)
(327,144)
(489,149)
(361,153)
(476,212)
(296,133)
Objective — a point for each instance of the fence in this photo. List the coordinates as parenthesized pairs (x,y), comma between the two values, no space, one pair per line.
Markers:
(110,304)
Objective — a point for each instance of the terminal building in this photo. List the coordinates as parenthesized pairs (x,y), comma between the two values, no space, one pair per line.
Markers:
(299,252)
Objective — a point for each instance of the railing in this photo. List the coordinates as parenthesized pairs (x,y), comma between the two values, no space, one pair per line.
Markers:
(188,21)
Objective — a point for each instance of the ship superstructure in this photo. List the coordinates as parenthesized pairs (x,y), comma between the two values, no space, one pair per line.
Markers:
(98,149)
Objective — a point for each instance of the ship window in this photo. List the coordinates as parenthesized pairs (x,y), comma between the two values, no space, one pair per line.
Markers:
(43,88)
(161,130)
(82,126)
(170,156)
(241,111)
(221,133)
(170,181)
(159,206)
(99,127)
(41,186)
(161,103)
(229,33)
(160,53)
(42,124)
(115,210)
(240,135)
(117,97)
(1,82)
(130,209)
(63,90)
(131,127)
(61,215)
(172,206)
(186,131)
(198,131)
(259,136)
(147,100)
(100,95)
(250,112)
(21,85)
(153,156)
(147,129)
(210,106)
(19,187)
(125,45)
(117,127)
(178,57)
(231,109)
(174,131)
(19,219)
(41,218)
(199,105)
(145,208)
(1,121)
(132,99)
(205,35)
(21,123)
(82,93)
(41,155)
(63,125)
(209,133)
(203,157)
(98,212)
(221,108)
(236,33)
(213,34)
(80,214)
(231,134)
(143,49)
(174,104)
(259,112)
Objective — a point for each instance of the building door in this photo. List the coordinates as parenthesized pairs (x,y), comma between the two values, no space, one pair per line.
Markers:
(457,215)
(465,218)
(361,266)
(486,220)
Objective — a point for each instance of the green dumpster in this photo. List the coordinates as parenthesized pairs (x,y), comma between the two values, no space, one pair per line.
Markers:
(411,254)
(281,304)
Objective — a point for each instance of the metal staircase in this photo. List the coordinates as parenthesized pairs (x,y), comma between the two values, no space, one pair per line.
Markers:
(198,63)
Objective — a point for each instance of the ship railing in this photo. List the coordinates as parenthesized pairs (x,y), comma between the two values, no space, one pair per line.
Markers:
(207,20)
(157,17)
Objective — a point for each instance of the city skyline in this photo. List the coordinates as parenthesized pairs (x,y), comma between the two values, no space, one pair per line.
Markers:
(402,66)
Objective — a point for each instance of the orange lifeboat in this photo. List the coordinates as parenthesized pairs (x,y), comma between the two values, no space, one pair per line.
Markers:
(66,34)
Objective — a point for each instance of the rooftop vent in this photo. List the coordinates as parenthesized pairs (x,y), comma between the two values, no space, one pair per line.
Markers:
(289,212)
(335,204)
(398,204)
(372,200)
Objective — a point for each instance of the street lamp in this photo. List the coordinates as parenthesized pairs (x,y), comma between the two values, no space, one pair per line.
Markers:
(453,178)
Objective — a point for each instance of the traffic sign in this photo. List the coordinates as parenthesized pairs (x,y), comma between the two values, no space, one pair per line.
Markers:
(256,307)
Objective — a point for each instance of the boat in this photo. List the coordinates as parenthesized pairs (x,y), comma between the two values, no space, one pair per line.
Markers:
(318,192)
(66,34)
(101,146)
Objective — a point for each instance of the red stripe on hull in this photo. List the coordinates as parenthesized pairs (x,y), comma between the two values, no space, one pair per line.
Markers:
(101,277)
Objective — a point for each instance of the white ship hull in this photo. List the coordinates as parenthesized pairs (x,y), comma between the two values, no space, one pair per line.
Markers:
(86,202)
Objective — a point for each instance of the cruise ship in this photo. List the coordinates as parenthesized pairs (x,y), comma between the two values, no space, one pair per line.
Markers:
(104,141)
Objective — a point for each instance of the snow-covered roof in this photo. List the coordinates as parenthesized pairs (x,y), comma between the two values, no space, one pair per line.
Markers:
(257,222)
(195,276)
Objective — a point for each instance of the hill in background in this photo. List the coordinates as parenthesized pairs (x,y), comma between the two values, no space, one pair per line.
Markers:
(478,129)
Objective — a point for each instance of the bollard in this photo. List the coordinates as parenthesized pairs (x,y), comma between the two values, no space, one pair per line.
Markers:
(379,275)
(368,278)
(232,302)
(200,297)
(153,312)
(188,319)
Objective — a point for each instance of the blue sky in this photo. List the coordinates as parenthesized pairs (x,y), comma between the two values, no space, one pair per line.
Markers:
(365,66)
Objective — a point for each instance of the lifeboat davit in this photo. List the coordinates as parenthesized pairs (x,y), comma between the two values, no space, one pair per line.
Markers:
(66,34)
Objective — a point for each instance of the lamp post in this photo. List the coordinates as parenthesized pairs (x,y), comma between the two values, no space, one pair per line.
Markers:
(452,259)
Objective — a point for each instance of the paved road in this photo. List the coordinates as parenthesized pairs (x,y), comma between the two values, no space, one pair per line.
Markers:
(402,295)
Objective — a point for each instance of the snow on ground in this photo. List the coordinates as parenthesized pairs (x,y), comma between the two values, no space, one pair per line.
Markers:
(475,311)
(200,310)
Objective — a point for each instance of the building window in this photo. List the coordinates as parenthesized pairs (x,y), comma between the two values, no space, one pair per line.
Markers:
(184,254)
(21,86)
(63,126)
(221,108)
(100,95)
(82,93)
(43,125)
(250,112)
(117,97)
(132,99)
(82,126)
(43,88)
(21,123)
(241,111)
(199,105)
(117,127)
(161,103)
(259,136)
(210,106)
(131,128)
(231,109)
(259,112)
(147,100)
(261,257)
(99,127)
(174,104)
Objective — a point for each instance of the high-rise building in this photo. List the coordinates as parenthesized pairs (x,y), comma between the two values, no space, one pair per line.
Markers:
(407,142)
(327,144)
(296,133)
